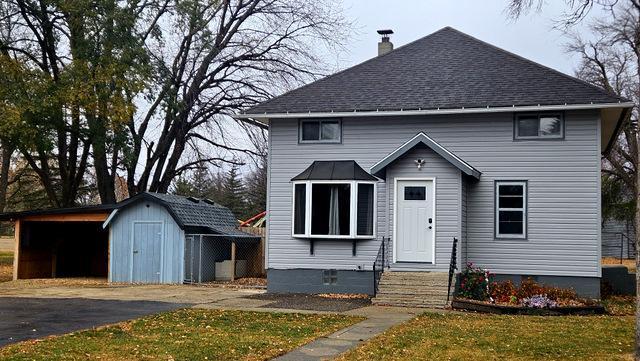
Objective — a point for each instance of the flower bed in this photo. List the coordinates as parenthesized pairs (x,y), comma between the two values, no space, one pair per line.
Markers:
(477,293)
(487,307)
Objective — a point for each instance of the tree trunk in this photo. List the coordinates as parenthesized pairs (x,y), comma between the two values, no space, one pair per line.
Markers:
(7,151)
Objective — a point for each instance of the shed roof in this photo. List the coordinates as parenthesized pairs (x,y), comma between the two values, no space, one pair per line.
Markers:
(191,213)
(334,170)
(447,69)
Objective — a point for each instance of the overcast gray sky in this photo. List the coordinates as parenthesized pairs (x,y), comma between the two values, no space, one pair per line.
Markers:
(532,36)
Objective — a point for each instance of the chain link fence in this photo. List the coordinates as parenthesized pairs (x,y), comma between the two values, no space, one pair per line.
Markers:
(214,257)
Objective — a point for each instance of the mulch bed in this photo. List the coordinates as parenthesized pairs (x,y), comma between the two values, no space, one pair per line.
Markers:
(484,307)
(310,302)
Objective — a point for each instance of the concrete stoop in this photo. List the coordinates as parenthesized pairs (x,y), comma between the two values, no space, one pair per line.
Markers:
(412,289)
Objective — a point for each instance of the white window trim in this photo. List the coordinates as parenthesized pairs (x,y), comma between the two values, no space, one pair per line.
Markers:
(353,222)
(539,136)
(320,141)
(497,209)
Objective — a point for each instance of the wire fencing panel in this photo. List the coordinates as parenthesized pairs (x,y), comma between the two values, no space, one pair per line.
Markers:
(211,257)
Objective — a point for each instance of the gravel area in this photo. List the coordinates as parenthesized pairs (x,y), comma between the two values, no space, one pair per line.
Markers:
(310,302)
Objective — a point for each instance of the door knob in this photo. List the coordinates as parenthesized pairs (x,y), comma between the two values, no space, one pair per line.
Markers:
(430,227)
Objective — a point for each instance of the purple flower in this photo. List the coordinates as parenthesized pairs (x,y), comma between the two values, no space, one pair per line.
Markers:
(539,301)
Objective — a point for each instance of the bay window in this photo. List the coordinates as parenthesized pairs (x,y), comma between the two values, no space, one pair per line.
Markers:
(333,209)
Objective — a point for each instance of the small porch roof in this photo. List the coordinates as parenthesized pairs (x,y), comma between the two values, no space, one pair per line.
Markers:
(334,170)
(421,138)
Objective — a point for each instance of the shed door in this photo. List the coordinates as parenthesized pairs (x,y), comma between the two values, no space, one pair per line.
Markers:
(147,247)
(415,216)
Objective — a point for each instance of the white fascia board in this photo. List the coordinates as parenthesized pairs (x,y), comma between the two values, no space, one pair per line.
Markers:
(526,108)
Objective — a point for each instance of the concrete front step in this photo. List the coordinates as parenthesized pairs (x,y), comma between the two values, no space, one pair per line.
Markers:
(413,289)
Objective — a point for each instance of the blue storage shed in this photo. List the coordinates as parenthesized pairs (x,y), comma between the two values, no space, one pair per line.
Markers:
(160,238)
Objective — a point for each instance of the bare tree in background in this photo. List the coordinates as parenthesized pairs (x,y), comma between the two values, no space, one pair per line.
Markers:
(215,58)
(611,61)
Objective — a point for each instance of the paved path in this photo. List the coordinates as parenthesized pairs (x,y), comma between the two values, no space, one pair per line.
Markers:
(29,318)
(379,319)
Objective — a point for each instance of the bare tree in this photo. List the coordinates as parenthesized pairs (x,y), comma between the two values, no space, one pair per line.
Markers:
(577,10)
(213,59)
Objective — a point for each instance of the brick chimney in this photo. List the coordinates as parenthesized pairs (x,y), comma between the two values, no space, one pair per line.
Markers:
(385,46)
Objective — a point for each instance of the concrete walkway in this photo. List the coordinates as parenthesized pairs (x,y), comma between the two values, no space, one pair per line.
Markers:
(379,319)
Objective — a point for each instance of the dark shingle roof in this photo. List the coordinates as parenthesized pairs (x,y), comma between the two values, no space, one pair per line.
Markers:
(192,213)
(447,69)
(334,170)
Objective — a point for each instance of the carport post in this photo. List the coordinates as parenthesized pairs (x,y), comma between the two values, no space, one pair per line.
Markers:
(233,260)
(16,248)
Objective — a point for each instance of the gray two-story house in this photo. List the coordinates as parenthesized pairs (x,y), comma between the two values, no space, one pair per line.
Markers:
(445,138)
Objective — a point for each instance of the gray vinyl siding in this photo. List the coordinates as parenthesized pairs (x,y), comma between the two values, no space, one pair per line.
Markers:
(562,175)
(447,189)
(120,247)
(462,255)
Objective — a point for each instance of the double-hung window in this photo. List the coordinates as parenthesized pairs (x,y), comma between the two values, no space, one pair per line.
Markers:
(539,126)
(511,209)
(320,131)
(334,209)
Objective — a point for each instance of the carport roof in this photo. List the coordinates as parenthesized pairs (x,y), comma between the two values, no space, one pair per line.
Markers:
(102,208)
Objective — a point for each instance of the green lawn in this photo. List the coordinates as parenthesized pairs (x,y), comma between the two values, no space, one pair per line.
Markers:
(489,337)
(188,334)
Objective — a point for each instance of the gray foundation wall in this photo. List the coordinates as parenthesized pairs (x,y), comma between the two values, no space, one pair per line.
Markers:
(588,287)
(311,281)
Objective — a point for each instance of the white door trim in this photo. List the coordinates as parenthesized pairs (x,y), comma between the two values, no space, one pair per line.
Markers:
(395,213)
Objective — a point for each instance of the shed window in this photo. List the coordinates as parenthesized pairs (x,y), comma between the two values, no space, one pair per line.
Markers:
(539,126)
(334,209)
(511,206)
(320,131)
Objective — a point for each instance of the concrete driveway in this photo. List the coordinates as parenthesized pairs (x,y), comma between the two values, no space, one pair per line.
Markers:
(29,311)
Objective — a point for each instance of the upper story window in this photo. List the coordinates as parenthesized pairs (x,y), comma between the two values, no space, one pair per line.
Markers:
(334,209)
(539,126)
(320,131)
(511,209)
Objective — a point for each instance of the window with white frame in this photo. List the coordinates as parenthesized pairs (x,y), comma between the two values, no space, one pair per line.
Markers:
(511,209)
(320,131)
(539,126)
(334,209)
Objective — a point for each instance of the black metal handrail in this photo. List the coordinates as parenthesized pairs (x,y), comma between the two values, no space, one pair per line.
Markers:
(379,264)
(453,265)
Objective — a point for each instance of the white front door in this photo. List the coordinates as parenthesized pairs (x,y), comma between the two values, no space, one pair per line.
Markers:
(415,221)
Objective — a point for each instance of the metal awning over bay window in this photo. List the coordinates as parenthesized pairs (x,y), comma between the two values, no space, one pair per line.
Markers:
(335,200)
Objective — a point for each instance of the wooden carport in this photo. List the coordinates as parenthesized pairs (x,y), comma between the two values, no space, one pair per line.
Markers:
(66,242)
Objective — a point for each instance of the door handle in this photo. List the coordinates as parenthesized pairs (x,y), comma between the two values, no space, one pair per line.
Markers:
(430,222)
(135,251)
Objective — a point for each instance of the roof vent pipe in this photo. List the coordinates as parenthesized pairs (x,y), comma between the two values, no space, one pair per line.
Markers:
(385,46)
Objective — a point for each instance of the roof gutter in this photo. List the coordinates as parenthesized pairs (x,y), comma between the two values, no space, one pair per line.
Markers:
(401,112)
